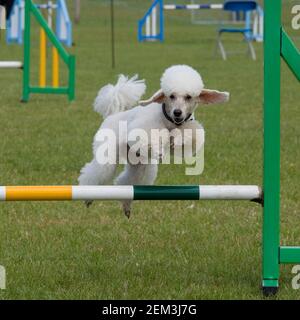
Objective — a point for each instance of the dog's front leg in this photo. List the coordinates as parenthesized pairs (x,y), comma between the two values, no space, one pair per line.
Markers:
(127,208)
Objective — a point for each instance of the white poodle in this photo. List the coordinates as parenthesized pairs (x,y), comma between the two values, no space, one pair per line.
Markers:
(171,107)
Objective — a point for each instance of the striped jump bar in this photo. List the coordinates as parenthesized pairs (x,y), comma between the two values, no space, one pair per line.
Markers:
(192,6)
(61,193)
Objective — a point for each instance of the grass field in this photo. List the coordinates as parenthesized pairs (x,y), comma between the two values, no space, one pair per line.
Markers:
(176,250)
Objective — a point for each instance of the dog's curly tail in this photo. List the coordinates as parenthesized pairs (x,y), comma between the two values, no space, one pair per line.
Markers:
(120,97)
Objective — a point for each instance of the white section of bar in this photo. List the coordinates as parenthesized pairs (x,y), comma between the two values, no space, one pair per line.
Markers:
(193,6)
(216,6)
(229,192)
(169,6)
(102,193)
(2,193)
(11,64)
(47,6)
(154,22)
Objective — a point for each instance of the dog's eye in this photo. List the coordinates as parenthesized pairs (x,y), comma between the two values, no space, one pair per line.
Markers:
(188,97)
(172,97)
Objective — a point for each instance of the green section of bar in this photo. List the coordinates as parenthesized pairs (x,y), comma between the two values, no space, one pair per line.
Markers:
(69,60)
(271,216)
(290,54)
(166,193)
(26,62)
(289,255)
(49,90)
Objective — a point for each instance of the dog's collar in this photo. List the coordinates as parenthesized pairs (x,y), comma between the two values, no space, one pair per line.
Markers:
(171,120)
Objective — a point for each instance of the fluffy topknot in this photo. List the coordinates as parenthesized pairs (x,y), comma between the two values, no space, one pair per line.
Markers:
(181,79)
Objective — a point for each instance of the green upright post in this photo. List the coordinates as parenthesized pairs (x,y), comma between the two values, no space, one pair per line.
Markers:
(271,217)
(71,78)
(26,62)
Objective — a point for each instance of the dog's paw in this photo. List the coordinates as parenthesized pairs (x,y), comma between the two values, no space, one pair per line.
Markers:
(127,213)
(88,203)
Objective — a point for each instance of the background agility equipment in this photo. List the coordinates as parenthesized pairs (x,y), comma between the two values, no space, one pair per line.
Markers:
(152,26)
(57,51)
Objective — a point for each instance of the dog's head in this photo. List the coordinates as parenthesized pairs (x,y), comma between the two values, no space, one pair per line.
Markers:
(182,90)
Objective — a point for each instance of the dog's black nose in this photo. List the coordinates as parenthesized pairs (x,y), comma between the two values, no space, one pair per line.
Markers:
(177,112)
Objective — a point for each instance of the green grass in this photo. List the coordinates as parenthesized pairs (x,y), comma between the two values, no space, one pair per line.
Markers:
(197,250)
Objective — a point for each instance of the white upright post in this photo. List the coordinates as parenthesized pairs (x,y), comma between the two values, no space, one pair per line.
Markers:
(258,27)
(2,18)
(255,25)
(50,12)
(148,22)
(261,27)
(154,22)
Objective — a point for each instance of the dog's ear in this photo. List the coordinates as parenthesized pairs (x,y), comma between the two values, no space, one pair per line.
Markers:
(158,97)
(213,96)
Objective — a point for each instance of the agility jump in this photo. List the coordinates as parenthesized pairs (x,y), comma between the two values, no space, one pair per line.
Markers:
(69,60)
(152,26)
(58,51)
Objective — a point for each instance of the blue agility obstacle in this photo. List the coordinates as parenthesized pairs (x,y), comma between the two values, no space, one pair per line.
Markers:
(151,26)
(63,24)
(245,7)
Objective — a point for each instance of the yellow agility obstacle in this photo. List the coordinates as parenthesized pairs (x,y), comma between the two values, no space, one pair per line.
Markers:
(43,58)
(43,62)
(55,68)
(47,36)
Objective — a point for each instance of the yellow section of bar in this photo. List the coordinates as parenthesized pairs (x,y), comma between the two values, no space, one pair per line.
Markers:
(43,47)
(39,193)
(55,68)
